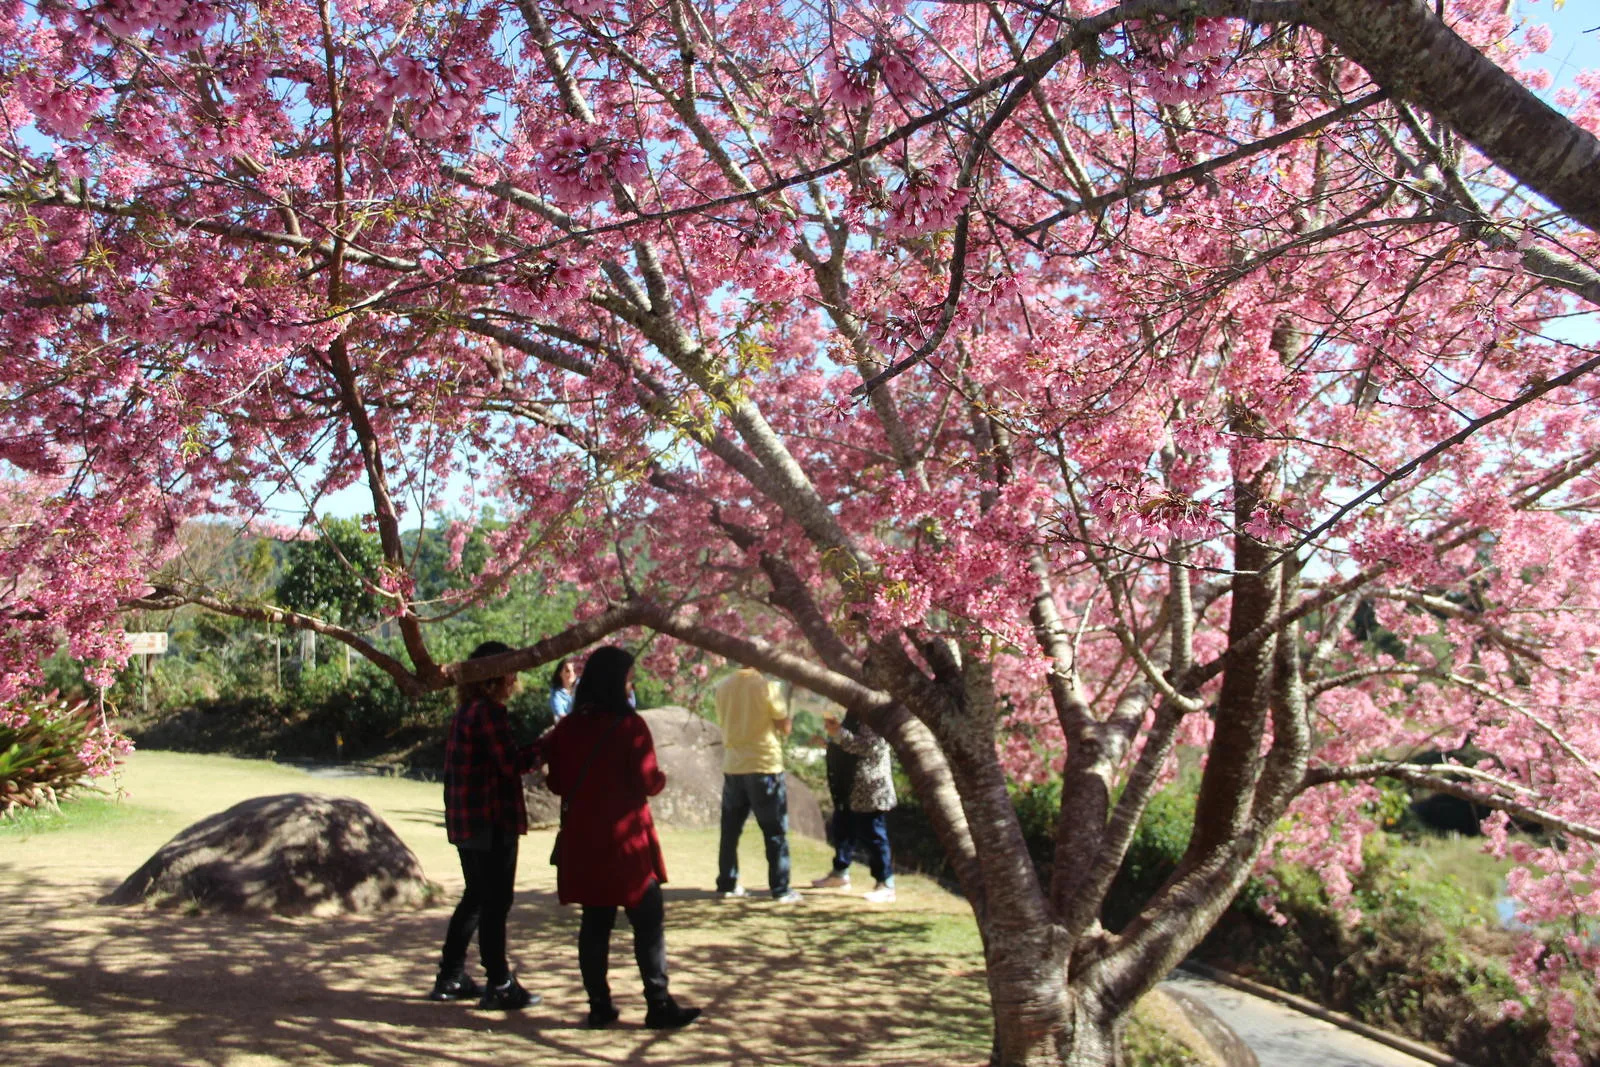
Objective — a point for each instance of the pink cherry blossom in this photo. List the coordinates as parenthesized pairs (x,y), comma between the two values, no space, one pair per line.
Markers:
(1228,376)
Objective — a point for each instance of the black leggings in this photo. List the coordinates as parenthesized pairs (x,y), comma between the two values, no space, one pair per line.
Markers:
(648,919)
(491,874)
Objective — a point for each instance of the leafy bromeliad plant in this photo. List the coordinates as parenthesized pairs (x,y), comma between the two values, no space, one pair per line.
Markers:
(1059,383)
(50,747)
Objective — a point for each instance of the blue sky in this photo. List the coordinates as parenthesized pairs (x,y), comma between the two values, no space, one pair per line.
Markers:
(1574,31)
(1574,47)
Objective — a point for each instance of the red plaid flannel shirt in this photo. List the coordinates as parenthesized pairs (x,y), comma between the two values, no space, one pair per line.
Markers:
(483,768)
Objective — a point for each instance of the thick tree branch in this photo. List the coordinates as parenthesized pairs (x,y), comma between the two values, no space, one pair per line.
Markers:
(574,638)
(166,600)
(1440,780)
(1408,50)
(388,518)
(1080,891)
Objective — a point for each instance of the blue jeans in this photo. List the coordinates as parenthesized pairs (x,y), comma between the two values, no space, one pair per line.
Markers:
(765,797)
(868,830)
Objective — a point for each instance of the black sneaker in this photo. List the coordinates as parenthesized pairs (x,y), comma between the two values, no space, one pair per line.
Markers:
(601,1017)
(459,987)
(669,1015)
(508,996)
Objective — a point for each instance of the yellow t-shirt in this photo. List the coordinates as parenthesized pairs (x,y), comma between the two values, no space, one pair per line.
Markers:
(748,707)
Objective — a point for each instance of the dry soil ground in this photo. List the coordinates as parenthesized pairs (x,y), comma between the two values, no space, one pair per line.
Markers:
(832,981)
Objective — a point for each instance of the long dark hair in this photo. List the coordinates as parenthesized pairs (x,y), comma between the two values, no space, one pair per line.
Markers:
(555,675)
(467,692)
(604,685)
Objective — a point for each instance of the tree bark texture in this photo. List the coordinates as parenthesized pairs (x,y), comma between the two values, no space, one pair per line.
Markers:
(1233,761)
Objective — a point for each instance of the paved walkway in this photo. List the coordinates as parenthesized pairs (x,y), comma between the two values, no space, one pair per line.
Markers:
(1281,1036)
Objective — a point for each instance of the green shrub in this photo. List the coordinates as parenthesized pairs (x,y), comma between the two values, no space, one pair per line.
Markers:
(916,846)
(49,747)
(321,715)
(366,708)
(1425,960)
(529,712)
(1038,807)
(1153,854)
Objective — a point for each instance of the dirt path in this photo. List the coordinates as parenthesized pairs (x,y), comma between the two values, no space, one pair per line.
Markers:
(833,981)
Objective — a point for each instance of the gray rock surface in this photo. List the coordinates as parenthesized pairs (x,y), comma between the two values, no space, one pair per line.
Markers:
(689,750)
(294,854)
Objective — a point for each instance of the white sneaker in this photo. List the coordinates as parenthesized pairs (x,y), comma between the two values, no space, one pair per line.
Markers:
(879,894)
(791,897)
(833,880)
(731,894)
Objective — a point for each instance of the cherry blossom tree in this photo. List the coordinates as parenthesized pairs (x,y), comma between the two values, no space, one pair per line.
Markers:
(1060,384)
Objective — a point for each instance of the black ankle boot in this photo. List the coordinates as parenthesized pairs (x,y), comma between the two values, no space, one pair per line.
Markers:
(669,1015)
(601,1016)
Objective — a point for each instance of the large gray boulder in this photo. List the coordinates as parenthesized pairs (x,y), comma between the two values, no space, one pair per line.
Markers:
(689,750)
(295,854)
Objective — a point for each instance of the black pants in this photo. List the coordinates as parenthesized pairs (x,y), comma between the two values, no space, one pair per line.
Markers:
(490,868)
(648,919)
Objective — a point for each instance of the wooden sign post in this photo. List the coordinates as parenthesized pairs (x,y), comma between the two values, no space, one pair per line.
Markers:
(147,643)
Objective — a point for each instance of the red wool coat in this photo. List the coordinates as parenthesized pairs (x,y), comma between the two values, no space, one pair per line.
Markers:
(609,847)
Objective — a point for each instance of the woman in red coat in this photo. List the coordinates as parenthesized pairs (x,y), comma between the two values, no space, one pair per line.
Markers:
(603,766)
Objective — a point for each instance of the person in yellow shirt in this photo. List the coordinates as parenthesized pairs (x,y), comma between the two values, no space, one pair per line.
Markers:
(754,724)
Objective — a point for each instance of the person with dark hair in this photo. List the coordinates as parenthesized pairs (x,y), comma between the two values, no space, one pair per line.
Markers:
(602,763)
(862,786)
(484,816)
(562,681)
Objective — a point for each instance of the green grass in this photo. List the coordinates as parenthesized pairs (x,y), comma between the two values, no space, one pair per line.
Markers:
(835,977)
(1454,860)
(1148,1043)
(89,812)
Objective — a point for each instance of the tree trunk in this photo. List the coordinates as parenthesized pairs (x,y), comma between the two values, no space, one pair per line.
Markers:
(1038,1017)
(1037,1021)
(1095,1041)
(924,763)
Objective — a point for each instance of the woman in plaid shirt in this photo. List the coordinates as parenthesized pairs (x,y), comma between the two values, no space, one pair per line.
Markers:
(484,816)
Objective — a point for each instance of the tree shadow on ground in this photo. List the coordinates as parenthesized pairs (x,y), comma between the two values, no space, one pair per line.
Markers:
(433,817)
(816,983)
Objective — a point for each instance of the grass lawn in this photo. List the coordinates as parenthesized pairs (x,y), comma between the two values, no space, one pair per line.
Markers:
(1456,861)
(830,981)
(85,812)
